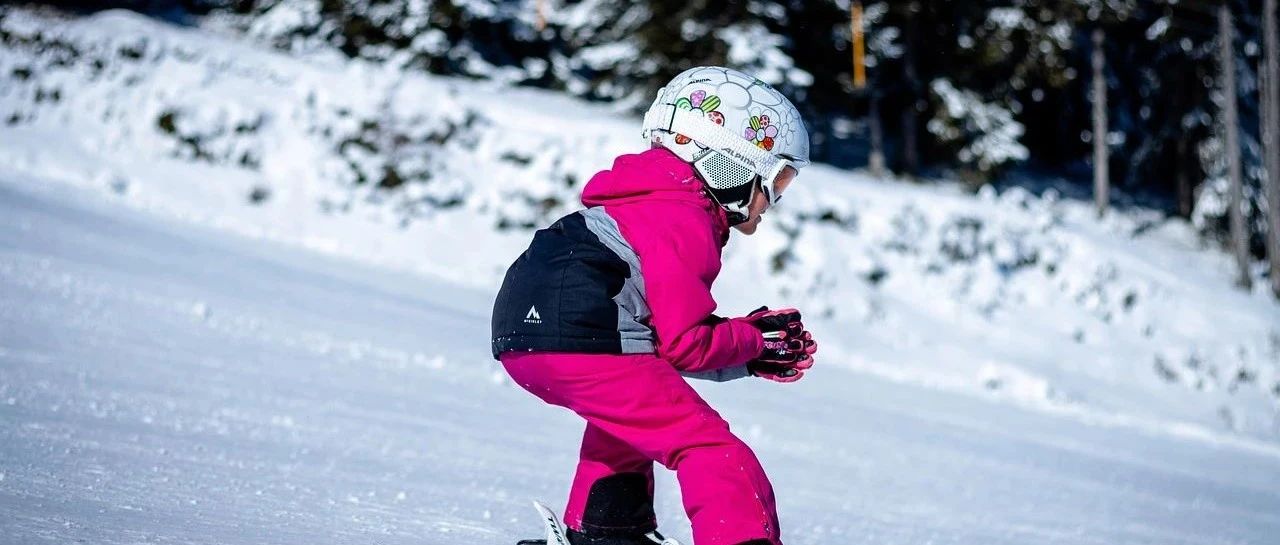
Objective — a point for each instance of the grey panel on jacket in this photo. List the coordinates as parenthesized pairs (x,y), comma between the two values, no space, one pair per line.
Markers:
(633,308)
(720,375)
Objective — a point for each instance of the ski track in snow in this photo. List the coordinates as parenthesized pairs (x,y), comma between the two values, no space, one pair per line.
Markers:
(165,383)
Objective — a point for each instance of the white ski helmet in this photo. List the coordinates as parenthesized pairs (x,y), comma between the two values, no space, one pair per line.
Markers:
(733,129)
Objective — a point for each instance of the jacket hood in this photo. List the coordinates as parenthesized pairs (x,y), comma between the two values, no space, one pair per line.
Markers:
(656,174)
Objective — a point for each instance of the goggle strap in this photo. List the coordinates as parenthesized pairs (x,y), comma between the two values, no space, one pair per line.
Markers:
(667,117)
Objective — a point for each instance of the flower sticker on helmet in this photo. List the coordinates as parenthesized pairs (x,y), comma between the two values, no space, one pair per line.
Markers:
(698,100)
(760,132)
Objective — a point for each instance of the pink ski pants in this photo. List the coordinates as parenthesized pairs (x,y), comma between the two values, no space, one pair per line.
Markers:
(640,410)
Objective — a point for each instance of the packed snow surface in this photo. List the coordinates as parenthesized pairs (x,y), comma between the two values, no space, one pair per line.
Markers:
(163,383)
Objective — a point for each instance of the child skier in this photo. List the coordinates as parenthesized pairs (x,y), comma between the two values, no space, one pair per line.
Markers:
(610,307)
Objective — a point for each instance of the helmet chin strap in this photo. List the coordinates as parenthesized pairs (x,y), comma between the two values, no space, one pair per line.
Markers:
(737,212)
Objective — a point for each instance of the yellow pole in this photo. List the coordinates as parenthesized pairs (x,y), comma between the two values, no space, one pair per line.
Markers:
(859,66)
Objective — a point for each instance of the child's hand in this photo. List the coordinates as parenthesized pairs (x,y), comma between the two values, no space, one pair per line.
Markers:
(788,348)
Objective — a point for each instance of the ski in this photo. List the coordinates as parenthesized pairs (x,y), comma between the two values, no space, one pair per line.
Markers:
(555,530)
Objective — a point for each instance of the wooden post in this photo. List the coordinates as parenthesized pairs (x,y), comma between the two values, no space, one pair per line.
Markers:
(859,46)
(1231,128)
(541,23)
(875,162)
(1101,165)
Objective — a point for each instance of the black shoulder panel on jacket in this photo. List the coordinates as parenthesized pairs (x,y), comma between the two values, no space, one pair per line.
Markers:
(558,295)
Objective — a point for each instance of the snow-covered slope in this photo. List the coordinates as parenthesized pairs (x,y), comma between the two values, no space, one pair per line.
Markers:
(1021,299)
(165,383)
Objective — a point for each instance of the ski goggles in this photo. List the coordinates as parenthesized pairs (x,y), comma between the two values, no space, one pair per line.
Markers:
(769,186)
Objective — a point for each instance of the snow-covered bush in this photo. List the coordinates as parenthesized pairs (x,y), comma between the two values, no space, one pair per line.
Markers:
(220,134)
(984,134)
(364,134)
(1210,212)
(476,38)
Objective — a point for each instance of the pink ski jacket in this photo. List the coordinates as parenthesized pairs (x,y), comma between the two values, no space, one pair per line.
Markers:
(630,274)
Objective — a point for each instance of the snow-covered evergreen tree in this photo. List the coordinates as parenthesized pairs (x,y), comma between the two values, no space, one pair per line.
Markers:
(477,38)
(624,51)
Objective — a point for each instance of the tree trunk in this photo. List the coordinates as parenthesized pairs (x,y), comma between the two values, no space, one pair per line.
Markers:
(1185,194)
(1271,135)
(1268,163)
(1101,175)
(876,162)
(910,144)
(1231,128)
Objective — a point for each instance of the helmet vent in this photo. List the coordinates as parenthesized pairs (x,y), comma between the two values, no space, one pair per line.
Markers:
(721,172)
